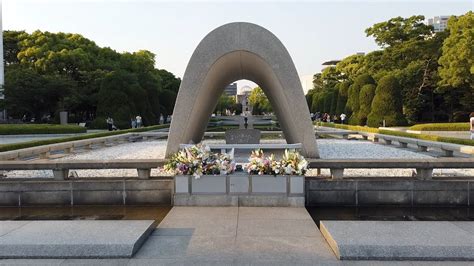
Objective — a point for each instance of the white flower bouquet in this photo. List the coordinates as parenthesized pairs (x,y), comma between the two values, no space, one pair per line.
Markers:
(292,163)
(198,160)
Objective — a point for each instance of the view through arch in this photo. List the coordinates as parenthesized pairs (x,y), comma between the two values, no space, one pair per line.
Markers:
(232,52)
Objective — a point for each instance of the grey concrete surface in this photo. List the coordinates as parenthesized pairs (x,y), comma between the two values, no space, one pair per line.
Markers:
(86,192)
(72,239)
(234,236)
(400,240)
(390,191)
(240,51)
(237,235)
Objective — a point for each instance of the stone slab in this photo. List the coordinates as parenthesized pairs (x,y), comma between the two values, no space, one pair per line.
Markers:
(400,240)
(242,136)
(236,236)
(73,239)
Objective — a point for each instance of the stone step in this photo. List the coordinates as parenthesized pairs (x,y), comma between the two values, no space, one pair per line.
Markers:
(73,239)
(400,240)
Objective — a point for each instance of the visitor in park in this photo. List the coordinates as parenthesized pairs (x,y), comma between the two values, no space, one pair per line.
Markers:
(471,123)
(133,123)
(139,121)
(246,121)
(335,118)
(343,118)
(162,119)
(110,123)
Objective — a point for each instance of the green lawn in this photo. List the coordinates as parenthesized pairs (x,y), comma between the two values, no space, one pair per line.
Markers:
(441,127)
(22,145)
(15,129)
(402,134)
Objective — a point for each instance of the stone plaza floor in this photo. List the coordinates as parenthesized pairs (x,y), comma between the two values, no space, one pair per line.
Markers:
(232,236)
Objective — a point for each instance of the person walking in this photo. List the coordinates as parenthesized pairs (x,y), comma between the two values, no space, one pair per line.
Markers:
(139,121)
(471,123)
(343,118)
(133,123)
(110,123)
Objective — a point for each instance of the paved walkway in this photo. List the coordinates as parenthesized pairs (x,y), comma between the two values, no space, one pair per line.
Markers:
(232,236)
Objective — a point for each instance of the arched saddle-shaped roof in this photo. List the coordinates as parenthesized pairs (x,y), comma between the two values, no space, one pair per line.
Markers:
(240,51)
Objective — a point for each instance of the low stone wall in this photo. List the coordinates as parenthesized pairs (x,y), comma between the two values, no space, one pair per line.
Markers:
(86,192)
(404,192)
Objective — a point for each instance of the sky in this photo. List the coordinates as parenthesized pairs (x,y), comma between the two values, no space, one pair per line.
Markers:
(312,31)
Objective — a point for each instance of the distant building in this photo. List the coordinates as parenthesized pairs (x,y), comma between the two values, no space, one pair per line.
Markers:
(439,23)
(231,89)
(331,63)
(243,98)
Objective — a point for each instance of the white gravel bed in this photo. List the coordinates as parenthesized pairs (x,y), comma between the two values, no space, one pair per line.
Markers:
(328,149)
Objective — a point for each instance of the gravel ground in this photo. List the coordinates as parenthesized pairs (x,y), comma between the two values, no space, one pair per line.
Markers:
(328,149)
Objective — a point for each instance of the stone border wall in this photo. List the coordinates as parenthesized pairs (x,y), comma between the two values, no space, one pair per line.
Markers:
(363,192)
(86,192)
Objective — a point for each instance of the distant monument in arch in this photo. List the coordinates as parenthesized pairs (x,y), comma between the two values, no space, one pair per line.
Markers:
(233,52)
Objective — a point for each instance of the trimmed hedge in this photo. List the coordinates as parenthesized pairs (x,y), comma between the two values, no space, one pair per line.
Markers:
(402,134)
(15,129)
(351,127)
(441,127)
(29,144)
(429,137)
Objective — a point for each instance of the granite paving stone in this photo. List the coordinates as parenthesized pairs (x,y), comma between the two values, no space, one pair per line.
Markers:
(74,239)
(400,240)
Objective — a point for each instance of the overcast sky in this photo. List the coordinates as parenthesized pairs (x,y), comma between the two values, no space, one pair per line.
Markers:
(312,31)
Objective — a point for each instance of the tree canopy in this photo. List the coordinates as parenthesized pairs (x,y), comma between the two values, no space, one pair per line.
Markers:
(434,72)
(66,71)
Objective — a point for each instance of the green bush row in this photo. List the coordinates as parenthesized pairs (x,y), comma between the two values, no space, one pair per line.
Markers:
(351,127)
(441,127)
(402,134)
(29,144)
(428,137)
(14,129)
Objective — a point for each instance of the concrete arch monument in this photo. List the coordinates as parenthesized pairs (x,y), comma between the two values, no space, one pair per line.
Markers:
(232,52)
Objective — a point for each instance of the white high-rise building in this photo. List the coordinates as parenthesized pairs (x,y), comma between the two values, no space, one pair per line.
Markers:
(439,23)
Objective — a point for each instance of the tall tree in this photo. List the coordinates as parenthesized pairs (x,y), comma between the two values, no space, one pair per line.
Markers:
(387,104)
(398,30)
(457,61)
(354,96)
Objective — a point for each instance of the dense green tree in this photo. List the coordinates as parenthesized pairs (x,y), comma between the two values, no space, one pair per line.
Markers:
(97,81)
(259,101)
(457,61)
(30,94)
(387,104)
(367,93)
(351,67)
(398,30)
(343,89)
(434,70)
(224,103)
(354,96)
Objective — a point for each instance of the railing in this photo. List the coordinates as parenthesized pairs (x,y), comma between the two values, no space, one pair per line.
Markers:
(424,167)
(61,168)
